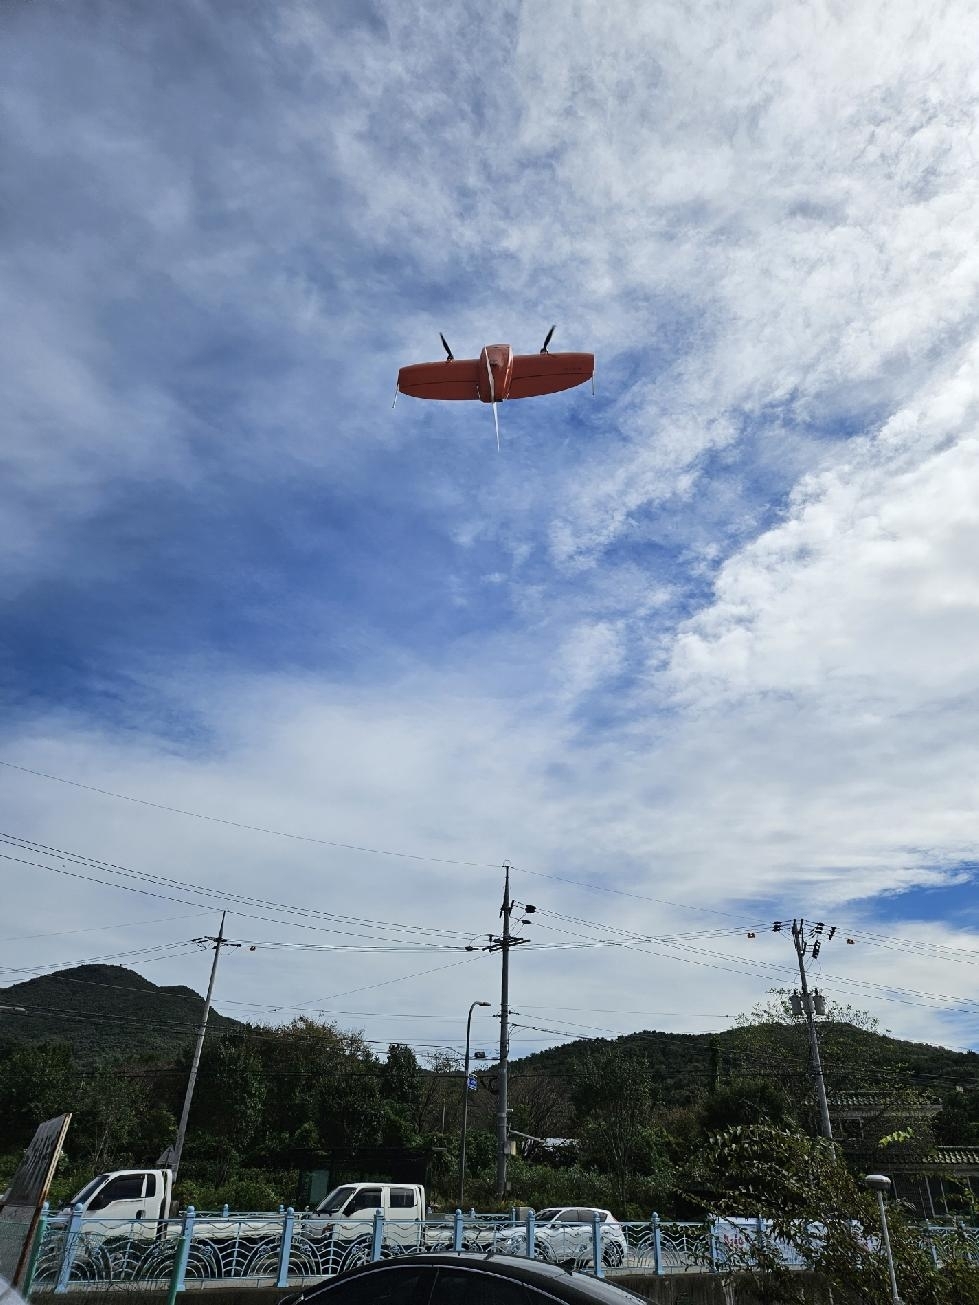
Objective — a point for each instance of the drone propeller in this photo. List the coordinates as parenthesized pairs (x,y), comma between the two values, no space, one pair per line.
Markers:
(547,338)
(450,356)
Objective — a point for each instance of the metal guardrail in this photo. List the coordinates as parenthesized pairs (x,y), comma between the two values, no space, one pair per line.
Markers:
(289,1249)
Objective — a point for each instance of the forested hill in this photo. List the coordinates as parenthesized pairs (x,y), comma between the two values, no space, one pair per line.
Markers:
(681,1065)
(104,1011)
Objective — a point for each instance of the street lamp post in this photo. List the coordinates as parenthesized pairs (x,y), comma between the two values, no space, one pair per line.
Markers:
(880,1183)
(465,1104)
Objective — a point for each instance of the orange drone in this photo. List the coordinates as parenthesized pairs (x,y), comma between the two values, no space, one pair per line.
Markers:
(497,374)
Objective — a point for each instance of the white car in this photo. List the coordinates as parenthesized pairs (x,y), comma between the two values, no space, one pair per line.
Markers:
(565,1235)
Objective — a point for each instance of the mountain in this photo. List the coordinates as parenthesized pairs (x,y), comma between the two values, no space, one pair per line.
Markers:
(104,1010)
(107,1010)
(854,1059)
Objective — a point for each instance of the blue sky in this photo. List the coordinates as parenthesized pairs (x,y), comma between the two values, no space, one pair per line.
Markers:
(706,638)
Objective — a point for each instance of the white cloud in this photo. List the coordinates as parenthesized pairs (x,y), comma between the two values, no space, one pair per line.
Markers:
(764,230)
(454,778)
(866,590)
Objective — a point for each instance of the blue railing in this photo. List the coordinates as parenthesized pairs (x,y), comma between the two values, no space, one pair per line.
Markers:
(80,1250)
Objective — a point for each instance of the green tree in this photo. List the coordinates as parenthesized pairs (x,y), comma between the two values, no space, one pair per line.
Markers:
(817,1205)
(110,1103)
(319,1077)
(440,1096)
(957,1123)
(36,1083)
(747,1101)
(231,1090)
(401,1075)
(614,1104)
(401,1091)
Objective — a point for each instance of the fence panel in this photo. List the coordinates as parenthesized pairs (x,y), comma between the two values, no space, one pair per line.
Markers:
(13,1235)
(291,1250)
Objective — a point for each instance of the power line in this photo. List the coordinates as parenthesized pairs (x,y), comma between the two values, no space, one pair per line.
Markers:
(100,928)
(355,847)
(275,1007)
(870,938)
(240,824)
(22,843)
(224,895)
(761,970)
(38,971)
(146,892)
(759,966)
(919,946)
(624,938)
(308,1006)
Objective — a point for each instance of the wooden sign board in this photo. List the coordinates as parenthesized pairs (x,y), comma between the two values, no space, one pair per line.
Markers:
(28,1192)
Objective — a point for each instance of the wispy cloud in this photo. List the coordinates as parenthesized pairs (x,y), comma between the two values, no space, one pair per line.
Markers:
(707,637)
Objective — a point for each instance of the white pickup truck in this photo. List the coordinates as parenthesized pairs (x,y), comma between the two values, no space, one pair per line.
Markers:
(143,1195)
(345,1217)
(139,1195)
(124,1218)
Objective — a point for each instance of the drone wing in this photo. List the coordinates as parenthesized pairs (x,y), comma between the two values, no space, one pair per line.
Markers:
(547,373)
(458,379)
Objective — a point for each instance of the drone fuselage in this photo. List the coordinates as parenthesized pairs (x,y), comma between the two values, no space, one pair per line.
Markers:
(495,373)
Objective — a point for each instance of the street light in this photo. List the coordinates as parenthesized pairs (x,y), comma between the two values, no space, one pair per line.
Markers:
(465,1104)
(880,1184)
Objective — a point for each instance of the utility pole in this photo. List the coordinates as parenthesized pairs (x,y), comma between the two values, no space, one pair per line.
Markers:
(178,1146)
(502,943)
(815,1064)
(505,942)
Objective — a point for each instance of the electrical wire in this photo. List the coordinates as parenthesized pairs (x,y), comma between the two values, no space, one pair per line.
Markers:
(140,952)
(223,895)
(900,996)
(74,874)
(355,847)
(239,824)
(627,939)
(276,1007)
(99,928)
(871,939)
(918,946)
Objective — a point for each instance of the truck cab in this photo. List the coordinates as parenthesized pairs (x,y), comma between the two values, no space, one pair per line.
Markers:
(137,1195)
(347,1209)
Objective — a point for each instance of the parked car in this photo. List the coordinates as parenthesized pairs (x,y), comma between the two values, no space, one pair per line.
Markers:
(736,1240)
(462,1279)
(565,1235)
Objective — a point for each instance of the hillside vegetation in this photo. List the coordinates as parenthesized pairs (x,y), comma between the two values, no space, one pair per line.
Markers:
(104,1010)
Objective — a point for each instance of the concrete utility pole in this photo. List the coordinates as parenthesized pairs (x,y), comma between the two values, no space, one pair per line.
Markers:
(502,944)
(178,1146)
(816,1065)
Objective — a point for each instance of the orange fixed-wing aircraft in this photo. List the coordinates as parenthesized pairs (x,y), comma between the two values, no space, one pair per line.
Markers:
(497,374)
